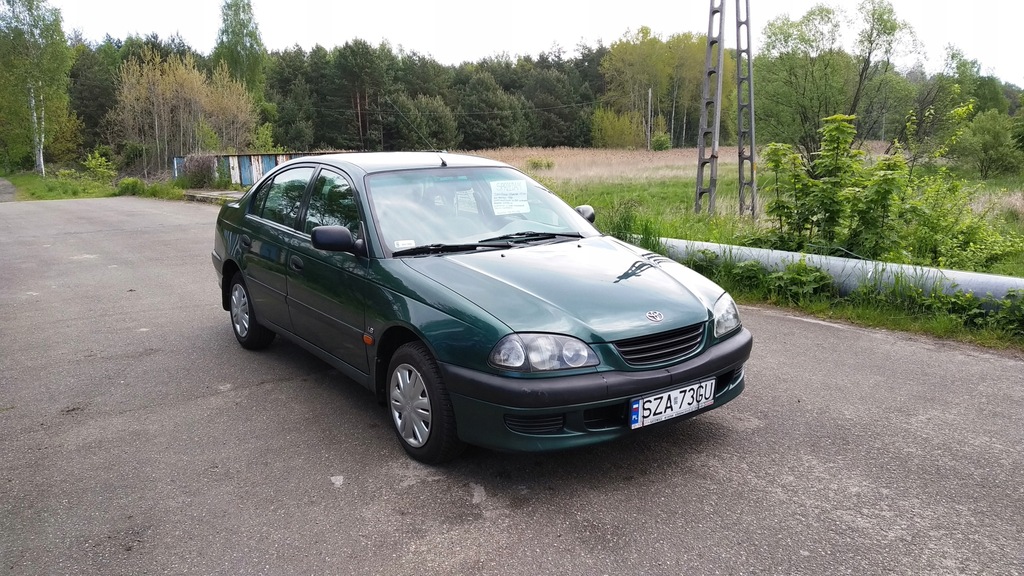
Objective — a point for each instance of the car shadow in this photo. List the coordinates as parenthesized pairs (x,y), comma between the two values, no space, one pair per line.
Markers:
(647,454)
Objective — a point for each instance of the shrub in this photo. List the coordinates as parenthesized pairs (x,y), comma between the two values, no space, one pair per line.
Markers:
(99,168)
(131,187)
(164,190)
(539,164)
(839,205)
(661,142)
(198,171)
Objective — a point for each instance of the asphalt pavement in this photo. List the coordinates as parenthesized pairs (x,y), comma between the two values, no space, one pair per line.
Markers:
(6,191)
(137,437)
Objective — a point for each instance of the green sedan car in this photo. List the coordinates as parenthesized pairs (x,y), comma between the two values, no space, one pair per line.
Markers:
(476,305)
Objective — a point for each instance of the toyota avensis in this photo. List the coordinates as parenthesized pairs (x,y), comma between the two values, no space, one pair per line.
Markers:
(475,304)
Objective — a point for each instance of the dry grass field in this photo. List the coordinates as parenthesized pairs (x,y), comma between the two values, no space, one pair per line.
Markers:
(604,165)
(597,165)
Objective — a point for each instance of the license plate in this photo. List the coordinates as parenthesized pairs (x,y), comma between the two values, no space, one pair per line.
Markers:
(658,407)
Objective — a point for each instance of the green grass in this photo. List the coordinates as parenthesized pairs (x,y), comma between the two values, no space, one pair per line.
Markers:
(671,203)
(30,186)
(944,326)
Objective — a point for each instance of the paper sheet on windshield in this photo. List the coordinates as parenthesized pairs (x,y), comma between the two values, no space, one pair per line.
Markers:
(509,197)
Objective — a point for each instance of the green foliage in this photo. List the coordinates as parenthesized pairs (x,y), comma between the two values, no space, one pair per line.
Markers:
(628,222)
(939,227)
(65,184)
(614,130)
(988,93)
(34,62)
(987,145)
(239,45)
(263,140)
(661,142)
(131,187)
(223,181)
(99,168)
(805,73)
(164,190)
(534,164)
(839,205)
(799,284)
(552,122)
(492,117)
(420,123)
(92,89)
(936,121)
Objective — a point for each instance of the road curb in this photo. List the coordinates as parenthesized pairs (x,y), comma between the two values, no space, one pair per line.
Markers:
(211,196)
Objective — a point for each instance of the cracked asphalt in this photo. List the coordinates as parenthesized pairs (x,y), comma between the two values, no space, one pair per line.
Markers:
(137,437)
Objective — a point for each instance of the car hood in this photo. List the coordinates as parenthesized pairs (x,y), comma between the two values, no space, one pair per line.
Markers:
(597,289)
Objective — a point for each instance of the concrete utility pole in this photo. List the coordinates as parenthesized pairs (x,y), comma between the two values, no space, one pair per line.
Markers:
(711,112)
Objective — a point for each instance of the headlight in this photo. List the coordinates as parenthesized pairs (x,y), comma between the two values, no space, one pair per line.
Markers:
(727,317)
(540,352)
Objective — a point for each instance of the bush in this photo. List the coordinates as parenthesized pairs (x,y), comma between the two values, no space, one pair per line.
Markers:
(99,168)
(539,164)
(198,171)
(839,205)
(131,187)
(164,190)
(661,142)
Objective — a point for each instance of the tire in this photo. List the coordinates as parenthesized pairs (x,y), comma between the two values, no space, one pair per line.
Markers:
(248,331)
(420,407)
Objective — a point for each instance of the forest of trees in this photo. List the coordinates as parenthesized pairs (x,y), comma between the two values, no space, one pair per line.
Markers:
(140,101)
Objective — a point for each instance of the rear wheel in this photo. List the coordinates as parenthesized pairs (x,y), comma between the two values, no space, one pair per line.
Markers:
(250,334)
(420,407)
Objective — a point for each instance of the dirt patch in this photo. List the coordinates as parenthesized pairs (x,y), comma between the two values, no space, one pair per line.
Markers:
(6,191)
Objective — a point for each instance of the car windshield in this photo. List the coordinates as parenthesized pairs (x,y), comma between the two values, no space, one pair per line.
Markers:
(455,206)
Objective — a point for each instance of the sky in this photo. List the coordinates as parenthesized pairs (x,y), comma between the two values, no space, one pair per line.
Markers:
(456,31)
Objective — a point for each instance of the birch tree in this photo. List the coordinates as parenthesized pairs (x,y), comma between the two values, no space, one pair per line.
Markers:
(35,62)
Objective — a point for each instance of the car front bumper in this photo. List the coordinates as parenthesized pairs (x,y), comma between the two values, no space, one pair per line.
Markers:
(541,414)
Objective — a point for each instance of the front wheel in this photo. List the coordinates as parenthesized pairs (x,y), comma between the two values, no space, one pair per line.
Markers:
(250,334)
(420,407)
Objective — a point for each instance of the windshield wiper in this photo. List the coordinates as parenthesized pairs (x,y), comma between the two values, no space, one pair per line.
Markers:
(445,248)
(532,235)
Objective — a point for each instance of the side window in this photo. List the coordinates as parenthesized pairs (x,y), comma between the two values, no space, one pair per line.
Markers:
(332,203)
(279,200)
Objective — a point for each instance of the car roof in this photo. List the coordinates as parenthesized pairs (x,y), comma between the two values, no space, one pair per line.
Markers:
(370,162)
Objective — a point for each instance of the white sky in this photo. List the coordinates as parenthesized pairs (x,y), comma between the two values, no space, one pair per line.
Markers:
(454,31)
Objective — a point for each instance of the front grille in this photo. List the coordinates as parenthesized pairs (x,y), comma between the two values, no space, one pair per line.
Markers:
(663,347)
(550,424)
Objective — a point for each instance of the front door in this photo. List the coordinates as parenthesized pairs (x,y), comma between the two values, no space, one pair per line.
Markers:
(326,289)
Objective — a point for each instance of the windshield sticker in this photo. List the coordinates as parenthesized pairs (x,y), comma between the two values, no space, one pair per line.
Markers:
(465,201)
(509,197)
(400,244)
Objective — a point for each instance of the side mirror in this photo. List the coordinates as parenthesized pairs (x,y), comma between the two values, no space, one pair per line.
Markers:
(587,211)
(334,239)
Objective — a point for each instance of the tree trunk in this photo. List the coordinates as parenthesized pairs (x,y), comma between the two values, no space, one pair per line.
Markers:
(37,130)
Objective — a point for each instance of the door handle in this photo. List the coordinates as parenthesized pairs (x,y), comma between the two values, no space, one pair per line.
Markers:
(295,263)
(245,241)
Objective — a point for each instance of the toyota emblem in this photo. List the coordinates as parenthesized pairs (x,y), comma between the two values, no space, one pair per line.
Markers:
(655,316)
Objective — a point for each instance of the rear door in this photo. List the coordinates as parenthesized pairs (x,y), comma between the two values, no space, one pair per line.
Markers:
(266,242)
(326,290)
